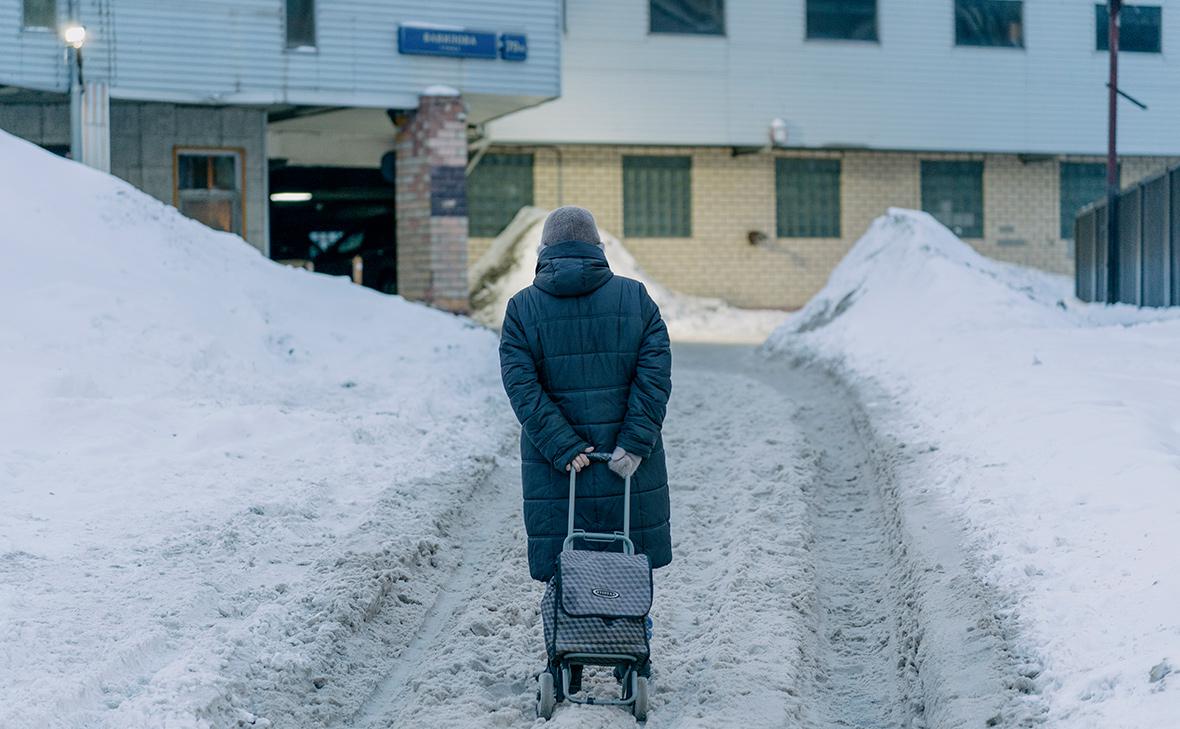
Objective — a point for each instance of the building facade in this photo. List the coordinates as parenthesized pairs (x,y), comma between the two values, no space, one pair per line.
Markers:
(204,104)
(741,148)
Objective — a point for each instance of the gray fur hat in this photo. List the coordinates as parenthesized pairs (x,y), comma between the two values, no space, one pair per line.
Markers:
(570,223)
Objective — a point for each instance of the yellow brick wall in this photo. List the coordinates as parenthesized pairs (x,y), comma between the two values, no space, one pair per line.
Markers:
(733,195)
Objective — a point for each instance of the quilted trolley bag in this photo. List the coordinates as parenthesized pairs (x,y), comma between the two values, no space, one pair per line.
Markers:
(594,612)
(597,603)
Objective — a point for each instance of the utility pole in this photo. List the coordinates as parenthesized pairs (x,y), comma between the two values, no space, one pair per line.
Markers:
(1112,156)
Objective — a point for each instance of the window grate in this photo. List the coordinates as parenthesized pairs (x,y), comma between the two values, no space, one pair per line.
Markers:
(953,193)
(657,197)
(499,186)
(807,198)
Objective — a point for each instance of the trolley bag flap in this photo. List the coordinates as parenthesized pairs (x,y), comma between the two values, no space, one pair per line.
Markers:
(604,584)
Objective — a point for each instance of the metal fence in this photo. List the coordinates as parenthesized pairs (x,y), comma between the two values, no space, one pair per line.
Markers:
(1148,250)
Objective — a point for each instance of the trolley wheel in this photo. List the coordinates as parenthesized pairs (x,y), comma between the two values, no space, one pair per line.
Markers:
(639,708)
(546,695)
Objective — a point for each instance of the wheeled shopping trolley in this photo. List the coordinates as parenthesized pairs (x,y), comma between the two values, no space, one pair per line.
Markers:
(595,613)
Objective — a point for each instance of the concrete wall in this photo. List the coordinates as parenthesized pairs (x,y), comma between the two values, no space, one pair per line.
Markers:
(143,136)
(734,195)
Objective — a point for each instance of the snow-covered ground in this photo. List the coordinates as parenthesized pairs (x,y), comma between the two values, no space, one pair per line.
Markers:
(510,263)
(237,494)
(730,611)
(1049,432)
(215,472)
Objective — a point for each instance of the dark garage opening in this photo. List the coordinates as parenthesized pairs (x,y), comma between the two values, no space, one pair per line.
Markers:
(337,221)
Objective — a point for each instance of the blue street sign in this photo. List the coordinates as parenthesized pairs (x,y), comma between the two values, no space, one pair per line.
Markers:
(461,43)
(514,46)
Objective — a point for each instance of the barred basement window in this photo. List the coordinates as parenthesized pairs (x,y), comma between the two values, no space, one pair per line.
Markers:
(700,17)
(209,187)
(953,193)
(989,23)
(301,24)
(842,19)
(807,198)
(498,187)
(40,14)
(1081,184)
(657,197)
(1139,28)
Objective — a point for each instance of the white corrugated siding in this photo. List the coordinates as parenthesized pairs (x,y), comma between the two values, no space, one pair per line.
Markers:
(233,51)
(34,59)
(913,90)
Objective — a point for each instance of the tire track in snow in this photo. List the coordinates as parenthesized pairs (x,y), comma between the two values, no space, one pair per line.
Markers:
(858,653)
(730,612)
(808,590)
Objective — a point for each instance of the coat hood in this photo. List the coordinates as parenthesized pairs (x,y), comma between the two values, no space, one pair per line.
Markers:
(571,268)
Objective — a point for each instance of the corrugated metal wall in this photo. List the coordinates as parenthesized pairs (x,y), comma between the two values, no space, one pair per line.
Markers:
(913,90)
(233,51)
(1148,246)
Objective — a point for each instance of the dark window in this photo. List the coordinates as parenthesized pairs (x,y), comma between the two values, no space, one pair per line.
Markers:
(208,188)
(301,23)
(953,193)
(703,17)
(657,197)
(1081,184)
(842,19)
(807,198)
(1139,28)
(40,14)
(989,23)
(499,186)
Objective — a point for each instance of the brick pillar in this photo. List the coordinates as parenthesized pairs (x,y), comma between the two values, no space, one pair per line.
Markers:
(432,203)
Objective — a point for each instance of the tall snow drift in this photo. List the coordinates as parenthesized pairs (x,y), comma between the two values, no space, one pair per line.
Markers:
(510,263)
(1048,429)
(207,460)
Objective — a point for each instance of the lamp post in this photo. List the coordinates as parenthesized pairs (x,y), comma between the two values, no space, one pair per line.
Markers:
(1112,157)
(75,37)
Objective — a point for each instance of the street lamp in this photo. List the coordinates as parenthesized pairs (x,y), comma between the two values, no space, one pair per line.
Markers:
(75,37)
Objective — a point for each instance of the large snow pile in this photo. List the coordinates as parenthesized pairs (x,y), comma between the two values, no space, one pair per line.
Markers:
(510,263)
(213,469)
(1051,430)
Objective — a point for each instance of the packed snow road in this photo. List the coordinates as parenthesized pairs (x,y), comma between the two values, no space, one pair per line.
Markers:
(780,608)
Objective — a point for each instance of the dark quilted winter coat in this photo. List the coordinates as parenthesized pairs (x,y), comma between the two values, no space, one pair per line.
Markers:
(585,360)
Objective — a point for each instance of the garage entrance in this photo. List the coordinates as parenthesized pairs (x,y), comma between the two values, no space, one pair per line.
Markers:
(338,221)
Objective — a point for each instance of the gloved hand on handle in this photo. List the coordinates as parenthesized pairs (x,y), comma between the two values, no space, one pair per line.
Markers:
(623,463)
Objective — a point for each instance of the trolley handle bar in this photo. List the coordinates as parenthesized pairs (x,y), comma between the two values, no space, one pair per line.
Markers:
(600,457)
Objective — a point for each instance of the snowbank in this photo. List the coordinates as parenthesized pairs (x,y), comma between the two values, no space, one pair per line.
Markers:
(1051,430)
(510,263)
(214,470)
